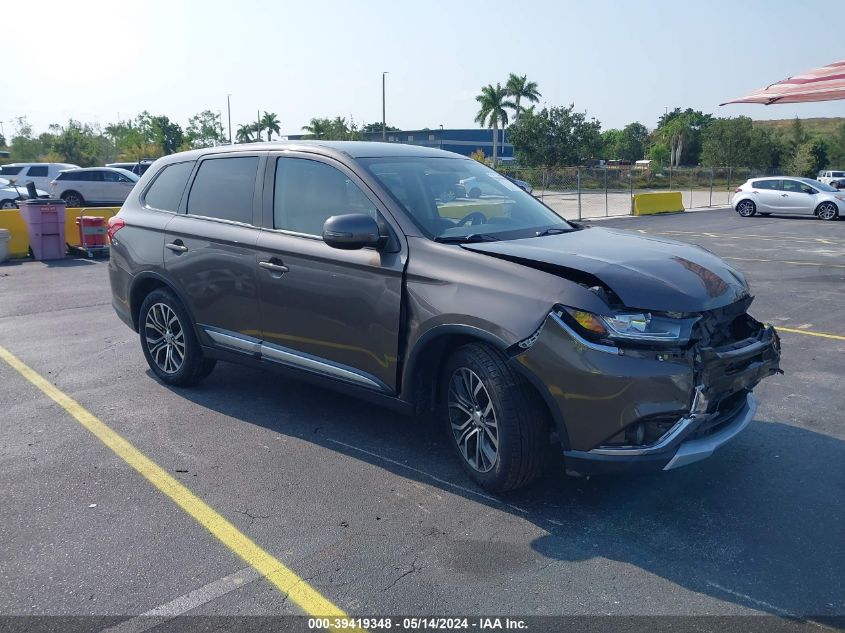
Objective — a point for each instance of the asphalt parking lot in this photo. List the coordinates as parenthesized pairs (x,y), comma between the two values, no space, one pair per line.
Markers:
(370,508)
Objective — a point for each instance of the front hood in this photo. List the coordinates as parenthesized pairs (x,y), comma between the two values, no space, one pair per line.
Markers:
(645,272)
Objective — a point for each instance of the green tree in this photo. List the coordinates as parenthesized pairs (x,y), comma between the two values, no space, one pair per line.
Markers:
(270,122)
(317,128)
(376,127)
(734,142)
(681,132)
(555,136)
(801,162)
(205,129)
(520,88)
(797,135)
(628,143)
(492,112)
(610,141)
(244,133)
(836,148)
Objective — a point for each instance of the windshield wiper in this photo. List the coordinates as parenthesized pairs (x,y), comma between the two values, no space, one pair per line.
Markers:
(555,230)
(463,239)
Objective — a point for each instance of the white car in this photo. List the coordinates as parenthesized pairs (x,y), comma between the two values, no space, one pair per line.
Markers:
(788,195)
(9,194)
(93,185)
(41,174)
(827,177)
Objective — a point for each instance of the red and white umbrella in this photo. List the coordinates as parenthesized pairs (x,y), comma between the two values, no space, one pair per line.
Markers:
(821,84)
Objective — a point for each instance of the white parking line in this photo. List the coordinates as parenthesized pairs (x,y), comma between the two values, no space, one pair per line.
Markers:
(188,602)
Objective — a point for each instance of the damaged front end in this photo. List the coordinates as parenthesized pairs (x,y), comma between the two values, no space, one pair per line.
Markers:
(648,391)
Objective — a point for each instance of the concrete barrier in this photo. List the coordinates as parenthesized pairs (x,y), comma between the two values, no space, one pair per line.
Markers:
(19,240)
(650,203)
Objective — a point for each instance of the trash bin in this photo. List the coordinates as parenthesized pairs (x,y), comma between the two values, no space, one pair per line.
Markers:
(92,231)
(45,224)
(5,236)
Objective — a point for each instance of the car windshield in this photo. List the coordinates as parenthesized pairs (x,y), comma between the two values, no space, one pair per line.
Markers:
(821,186)
(453,199)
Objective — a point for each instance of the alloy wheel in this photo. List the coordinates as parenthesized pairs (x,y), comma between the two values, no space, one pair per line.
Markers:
(745,208)
(827,211)
(165,338)
(473,420)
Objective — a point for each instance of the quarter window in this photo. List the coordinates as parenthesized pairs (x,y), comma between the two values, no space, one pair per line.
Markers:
(223,188)
(166,191)
(308,192)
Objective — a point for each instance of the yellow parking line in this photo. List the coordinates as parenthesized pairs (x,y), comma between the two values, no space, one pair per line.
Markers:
(285,580)
(835,337)
(783,261)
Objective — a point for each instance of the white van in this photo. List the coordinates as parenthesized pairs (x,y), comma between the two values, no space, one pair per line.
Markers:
(39,173)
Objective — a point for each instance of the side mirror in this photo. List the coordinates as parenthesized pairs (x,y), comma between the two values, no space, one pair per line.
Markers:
(351,231)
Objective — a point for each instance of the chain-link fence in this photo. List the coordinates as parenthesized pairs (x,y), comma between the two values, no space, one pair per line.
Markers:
(589,192)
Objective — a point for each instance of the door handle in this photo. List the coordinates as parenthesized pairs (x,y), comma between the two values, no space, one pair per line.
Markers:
(784,195)
(274,267)
(176,247)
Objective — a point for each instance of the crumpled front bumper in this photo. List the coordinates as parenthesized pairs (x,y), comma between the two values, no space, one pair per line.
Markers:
(598,391)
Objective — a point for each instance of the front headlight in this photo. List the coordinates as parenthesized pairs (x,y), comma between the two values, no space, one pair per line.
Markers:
(641,327)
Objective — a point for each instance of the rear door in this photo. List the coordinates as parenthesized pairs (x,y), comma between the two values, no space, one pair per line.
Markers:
(210,247)
(330,311)
(766,195)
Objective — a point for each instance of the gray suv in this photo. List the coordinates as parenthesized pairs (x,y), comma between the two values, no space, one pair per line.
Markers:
(351,264)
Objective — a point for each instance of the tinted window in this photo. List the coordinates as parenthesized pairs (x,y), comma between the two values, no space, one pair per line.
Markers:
(10,171)
(765,184)
(166,190)
(37,171)
(793,185)
(223,188)
(111,176)
(308,192)
(76,176)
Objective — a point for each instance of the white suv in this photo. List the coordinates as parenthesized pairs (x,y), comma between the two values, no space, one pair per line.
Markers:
(93,185)
(827,177)
(39,173)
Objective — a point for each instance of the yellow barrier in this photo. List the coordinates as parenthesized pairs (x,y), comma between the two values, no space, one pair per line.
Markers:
(19,240)
(649,203)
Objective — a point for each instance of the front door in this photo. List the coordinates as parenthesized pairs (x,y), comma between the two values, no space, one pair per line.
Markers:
(329,311)
(799,197)
(116,187)
(210,249)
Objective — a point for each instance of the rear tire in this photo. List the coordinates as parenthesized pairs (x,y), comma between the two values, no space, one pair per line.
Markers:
(827,211)
(169,342)
(495,422)
(746,208)
(8,204)
(73,199)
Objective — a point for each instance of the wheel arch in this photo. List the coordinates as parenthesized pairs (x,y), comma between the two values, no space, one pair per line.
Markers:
(143,285)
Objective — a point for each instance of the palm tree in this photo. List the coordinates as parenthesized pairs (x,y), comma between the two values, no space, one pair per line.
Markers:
(520,88)
(317,128)
(270,123)
(492,113)
(244,133)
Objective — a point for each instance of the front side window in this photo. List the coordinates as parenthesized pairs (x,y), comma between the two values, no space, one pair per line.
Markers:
(460,199)
(111,176)
(37,171)
(166,191)
(308,192)
(223,188)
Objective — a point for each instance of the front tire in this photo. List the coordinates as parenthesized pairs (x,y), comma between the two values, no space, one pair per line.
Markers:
(746,208)
(169,342)
(827,211)
(494,420)
(8,204)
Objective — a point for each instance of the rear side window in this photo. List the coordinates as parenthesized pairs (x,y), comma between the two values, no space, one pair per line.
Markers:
(223,188)
(9,170)
(166,191)
(37,171)
(76,176)
(765,184)
(308,192)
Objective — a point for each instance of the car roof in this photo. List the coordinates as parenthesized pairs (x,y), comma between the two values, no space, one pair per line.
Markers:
(351,149)
(69,165)
(118,169)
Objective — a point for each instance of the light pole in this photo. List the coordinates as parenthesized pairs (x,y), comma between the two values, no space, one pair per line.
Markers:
(383,109)
(229,112)
(441,136)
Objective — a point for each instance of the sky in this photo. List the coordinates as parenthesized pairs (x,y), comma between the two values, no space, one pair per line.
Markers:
(621,61)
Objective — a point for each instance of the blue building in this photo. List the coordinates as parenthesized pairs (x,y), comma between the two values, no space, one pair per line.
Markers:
(460,141)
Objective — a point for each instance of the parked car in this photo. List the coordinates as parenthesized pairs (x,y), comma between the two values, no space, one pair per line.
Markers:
(41,174)
(335,262)
(803,196)
(827,177)
(138,168)
(93,185)
(522,184)
(10,194)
